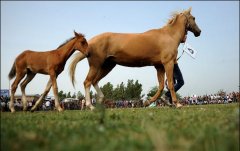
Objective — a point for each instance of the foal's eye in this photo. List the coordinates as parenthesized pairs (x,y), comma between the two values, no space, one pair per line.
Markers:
(193,18)
(83,42)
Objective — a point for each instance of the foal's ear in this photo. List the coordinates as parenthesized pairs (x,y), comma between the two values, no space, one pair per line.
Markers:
(76,34)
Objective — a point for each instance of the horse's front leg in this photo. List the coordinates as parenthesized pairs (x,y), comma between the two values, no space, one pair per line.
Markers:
(160,75)
(169,71)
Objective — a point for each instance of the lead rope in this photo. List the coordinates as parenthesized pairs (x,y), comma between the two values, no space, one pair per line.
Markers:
(182,52)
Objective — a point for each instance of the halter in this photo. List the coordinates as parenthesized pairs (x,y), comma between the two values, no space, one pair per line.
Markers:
(186,30)
(187,24)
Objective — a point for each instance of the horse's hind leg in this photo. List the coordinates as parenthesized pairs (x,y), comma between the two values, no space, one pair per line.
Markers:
(160,75)
(30,76)
(101,74)
(14,86)
(47,89)
(87,84)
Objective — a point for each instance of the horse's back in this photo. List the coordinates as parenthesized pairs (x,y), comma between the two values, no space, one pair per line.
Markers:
(131,49)
(33,60)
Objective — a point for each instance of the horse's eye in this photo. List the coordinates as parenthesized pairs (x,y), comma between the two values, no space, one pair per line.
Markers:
(193,18)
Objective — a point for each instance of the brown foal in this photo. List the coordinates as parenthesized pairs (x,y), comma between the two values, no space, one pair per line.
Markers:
(49,62)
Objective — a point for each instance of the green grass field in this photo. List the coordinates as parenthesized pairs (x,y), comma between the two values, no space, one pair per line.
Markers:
(193,128)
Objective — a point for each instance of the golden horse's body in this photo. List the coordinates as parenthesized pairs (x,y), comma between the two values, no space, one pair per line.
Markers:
(157,47)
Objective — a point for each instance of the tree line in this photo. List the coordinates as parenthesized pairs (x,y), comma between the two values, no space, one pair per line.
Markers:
(130,91)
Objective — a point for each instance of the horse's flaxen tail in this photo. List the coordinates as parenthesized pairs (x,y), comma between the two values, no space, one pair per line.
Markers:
(12,72)
(78,57)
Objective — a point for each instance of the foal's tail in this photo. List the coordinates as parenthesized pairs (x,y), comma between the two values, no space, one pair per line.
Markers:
(12,72)
(78,57)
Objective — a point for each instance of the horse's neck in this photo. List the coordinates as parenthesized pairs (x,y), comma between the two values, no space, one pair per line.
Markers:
(66,50)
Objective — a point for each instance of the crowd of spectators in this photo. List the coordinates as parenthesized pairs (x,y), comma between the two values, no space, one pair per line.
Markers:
(80,104)
(223,98)
(46,105)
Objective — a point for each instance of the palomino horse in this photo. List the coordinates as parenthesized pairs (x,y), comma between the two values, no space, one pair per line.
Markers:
(50,63)
(156,47)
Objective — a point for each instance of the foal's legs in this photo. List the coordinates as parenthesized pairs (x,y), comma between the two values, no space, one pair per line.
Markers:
(19,76)
(53,77)
(47,89)
(23,85)
(169,71)
(160,75)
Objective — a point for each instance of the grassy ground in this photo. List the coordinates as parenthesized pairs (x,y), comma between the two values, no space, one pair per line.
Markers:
(194,128)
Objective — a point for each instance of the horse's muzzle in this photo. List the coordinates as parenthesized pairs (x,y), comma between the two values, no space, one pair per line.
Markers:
(196,34)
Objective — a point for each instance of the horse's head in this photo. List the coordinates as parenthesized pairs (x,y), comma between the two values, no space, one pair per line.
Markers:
(81,43)
(191,24)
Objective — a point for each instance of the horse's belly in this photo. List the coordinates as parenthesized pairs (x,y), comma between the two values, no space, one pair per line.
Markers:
(133,62)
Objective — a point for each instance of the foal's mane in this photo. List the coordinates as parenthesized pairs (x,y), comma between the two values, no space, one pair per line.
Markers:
(65,42)
(69,40)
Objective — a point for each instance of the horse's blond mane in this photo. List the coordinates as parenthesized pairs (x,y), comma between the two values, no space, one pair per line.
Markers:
(173,17)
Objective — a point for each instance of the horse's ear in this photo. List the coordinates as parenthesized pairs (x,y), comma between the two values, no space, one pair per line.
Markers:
(189,10)
(76,34)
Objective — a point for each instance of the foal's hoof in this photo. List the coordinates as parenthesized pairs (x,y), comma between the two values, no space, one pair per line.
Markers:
(60,109)
(92,108)
(178,105)
(13,111)
(146,103)
(32,109)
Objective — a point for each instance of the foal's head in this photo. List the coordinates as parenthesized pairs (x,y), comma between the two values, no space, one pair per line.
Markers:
(191,24)
(80,43)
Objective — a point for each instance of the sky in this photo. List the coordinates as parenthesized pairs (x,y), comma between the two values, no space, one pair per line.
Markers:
(43,26)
